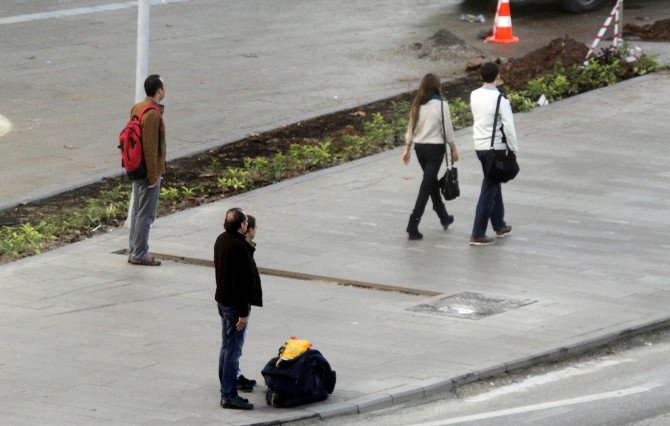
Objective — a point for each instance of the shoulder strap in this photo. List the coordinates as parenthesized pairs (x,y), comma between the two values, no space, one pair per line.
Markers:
(495,120)
(444,136)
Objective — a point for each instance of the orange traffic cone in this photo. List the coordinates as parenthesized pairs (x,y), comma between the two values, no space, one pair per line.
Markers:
(502,26)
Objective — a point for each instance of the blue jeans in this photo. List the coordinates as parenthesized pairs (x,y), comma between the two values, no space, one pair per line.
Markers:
(490,205)
(231,351)
(145,207)
(431,157)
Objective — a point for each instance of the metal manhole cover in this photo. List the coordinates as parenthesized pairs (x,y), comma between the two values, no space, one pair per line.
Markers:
(470,305)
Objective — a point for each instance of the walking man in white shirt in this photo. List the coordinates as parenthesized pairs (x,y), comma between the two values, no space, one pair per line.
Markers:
(483,104)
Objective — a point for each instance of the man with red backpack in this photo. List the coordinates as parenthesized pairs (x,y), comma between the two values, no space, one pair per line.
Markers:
(147,181)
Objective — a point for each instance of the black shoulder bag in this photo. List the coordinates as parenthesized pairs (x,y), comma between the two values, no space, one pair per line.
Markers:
(500,166)
(449,182)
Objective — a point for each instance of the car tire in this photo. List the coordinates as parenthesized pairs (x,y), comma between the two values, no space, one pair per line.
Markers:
(581,6)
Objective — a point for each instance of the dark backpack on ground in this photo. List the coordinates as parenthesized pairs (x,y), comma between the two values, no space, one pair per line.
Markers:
(130,144)
(302,380)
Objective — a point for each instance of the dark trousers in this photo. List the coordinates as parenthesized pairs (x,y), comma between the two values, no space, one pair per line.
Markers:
(231,351)
(490,205)
(431,157)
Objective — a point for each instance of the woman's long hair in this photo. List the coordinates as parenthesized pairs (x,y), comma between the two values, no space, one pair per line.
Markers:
(430,85)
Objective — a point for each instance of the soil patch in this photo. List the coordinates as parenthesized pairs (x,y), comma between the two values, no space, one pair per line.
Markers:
(443,46)
(517,72)
(658,31)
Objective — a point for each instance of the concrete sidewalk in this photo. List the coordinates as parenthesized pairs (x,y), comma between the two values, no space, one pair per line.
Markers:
(88,338)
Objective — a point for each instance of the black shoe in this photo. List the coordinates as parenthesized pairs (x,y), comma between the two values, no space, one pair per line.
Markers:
(413,230)
(237,403)
(245,388)
(447,221)
(244,381)
(414,235)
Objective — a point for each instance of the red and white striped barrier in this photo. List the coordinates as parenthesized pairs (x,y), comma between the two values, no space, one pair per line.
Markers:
(618,7)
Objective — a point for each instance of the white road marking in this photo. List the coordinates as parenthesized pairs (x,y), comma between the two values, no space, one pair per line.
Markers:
(554,376)
(544,406)
(78,11)
(5,126)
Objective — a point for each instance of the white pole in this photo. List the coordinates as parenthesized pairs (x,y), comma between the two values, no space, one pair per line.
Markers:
(141,69)
(142,48)
(620,22)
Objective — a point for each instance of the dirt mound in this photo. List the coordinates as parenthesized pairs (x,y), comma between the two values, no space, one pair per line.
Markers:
(517,72)
(658,31)
(443,46)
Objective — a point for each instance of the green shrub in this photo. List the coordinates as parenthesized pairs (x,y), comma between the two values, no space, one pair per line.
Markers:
(520,102)
(461,114)
(235,178)
(378,134)
(169,195)
(21,239)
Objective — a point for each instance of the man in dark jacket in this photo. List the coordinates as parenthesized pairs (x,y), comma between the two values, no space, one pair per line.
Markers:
(238,286)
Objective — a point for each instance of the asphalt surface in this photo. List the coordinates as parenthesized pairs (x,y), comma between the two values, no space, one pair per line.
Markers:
(88,338)
(625,384)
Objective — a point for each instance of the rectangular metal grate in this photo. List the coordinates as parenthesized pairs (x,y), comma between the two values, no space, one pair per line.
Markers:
(470,305)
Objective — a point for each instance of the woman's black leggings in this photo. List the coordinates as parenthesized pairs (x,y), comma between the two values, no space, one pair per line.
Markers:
(430,158)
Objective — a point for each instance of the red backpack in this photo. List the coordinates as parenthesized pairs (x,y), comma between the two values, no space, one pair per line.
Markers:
(130,144)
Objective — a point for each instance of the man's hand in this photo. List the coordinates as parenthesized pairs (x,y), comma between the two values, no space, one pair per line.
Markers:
(241,323)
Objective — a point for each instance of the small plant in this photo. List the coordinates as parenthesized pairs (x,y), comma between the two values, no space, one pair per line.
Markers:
(461,115)
(296,160)
(399,116)
(259,169)
(352,148)
(215,166)
(235,178)
(20,239)
(169,195)
(520,102)
(378,134)
(188,192)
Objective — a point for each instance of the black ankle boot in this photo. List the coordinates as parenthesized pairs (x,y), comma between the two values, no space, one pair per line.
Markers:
(445,218)
(413,230)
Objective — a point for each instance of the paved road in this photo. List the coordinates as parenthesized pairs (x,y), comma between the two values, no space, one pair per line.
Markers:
(628,387)
(88,338)
(231,68)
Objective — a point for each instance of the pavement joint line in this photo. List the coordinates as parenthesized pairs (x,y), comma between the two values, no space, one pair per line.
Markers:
(297,275)
(128,302)
(413,392)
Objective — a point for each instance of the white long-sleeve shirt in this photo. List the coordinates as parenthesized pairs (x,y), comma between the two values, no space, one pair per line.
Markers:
(483,104)
(429,125)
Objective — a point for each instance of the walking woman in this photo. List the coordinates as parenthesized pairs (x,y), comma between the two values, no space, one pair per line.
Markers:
(428,116)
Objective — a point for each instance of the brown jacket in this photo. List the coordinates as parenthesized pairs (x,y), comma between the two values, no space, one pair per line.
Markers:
(153,139)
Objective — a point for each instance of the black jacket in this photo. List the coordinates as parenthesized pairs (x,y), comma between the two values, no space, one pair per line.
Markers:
(238,283)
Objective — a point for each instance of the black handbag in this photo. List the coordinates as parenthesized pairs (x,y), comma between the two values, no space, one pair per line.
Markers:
(500,166)
(449,182)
